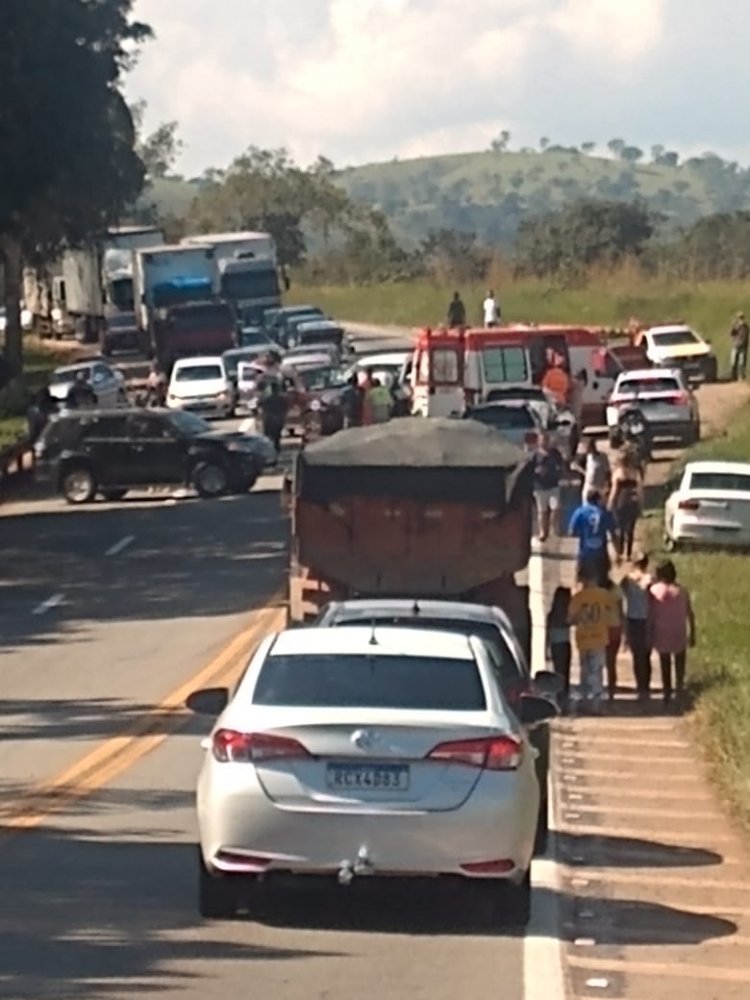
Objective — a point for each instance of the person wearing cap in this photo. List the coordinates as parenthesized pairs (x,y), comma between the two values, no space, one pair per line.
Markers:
(740,334)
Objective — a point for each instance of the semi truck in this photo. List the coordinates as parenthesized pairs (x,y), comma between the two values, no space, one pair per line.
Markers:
(436,508)
(247,274)
(177,309)
(76,292)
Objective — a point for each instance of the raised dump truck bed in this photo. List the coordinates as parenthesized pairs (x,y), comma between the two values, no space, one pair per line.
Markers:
(412,508)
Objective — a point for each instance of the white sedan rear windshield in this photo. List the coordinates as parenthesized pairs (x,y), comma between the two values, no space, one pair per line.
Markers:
(675,338)
(198,373)
(730,482)
(637,386)
(355,680)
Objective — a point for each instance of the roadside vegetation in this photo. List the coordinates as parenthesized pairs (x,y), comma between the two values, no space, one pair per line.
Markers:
(718,668)
(40,359)
(610,299)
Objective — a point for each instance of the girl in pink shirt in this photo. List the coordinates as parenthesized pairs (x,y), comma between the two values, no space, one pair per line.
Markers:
(671,627)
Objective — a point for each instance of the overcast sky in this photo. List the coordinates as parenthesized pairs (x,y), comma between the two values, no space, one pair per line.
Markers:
(363,80)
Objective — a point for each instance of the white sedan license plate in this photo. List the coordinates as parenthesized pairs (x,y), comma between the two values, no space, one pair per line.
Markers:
(368,777)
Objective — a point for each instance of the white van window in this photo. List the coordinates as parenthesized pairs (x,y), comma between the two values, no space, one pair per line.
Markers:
(504,364)
(445,367)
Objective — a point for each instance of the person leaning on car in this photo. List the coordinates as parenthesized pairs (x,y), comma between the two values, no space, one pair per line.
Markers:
(81,394)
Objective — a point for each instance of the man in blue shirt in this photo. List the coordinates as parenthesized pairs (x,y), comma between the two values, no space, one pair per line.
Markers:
(592,524)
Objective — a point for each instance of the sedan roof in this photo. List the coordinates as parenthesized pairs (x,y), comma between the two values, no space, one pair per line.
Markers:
(416,607)
(378,641)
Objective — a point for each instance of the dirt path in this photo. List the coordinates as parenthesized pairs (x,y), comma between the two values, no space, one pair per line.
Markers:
(657,896)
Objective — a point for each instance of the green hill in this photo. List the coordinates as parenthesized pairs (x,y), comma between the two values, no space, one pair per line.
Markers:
(489,193)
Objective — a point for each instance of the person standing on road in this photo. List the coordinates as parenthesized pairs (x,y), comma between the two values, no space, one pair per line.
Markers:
(380,402)
(273,409)
(626,500)
(740,334)
(614,640)
(558,638)
(635,588)
(596,470)
(352,401)
(671,628)
(491,310)
(549,468)
(592,524)
(590,614)
(81,394)
(456,312)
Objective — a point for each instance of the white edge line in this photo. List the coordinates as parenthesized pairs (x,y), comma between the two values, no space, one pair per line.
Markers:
(51,602)
(543,974)
(120,546)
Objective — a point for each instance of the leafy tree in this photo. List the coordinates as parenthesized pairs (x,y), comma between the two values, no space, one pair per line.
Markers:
(668,159)
(616,146)
(588,234)
(501,143)
(631,154)
(68,165)
(657,151)
(543,143)
(588,147)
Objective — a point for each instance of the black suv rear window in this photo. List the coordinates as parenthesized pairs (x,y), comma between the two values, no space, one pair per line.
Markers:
(506,417)
(358,681)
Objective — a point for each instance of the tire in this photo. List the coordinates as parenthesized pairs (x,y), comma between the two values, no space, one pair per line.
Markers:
(113,495)
(244,485)
(509,905)
(78,485)
(217,896)
(210,480)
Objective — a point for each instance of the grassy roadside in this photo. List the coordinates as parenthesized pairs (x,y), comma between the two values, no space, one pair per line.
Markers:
(719,666)
(610,300)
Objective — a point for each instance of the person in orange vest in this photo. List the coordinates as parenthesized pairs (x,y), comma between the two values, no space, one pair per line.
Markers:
(557,381)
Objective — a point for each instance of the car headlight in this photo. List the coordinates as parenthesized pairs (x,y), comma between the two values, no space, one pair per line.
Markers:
(316,405)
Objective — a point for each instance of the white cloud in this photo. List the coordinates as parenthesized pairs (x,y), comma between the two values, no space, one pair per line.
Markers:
(370,79)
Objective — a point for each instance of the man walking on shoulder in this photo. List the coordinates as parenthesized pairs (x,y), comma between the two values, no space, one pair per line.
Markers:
(549,467)
(740,334)
(592,524)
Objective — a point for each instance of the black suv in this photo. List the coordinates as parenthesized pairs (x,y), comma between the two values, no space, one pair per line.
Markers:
(109,452)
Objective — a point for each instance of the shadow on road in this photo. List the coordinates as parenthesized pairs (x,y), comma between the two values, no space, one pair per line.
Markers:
(84,918)
(189,559)
(580,850)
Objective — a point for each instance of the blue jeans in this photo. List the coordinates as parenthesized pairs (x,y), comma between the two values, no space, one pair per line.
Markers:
(739,362)
(593,662)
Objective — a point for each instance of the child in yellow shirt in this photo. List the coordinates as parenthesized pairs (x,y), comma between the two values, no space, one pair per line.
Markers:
(593,611)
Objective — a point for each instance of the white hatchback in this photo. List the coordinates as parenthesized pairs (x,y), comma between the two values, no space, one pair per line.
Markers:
(368,752)
(711,506)
(201,385)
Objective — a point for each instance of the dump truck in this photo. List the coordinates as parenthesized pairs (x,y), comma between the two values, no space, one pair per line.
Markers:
(436,508)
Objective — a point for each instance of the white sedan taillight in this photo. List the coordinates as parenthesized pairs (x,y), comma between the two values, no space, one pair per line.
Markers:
(230,746)
(495,753)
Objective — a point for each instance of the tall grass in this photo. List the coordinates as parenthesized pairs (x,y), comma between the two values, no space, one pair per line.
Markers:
(607,299)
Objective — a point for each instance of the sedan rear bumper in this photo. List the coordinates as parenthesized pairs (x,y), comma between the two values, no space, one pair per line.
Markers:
(497,821)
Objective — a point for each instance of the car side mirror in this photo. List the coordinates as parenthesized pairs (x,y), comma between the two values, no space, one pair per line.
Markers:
(536,711)
(209,701)
(548,684)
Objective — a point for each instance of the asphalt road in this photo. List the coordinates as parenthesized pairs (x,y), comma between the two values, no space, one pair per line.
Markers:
(106,614)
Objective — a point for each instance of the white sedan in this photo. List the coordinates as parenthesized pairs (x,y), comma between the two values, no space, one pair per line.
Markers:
(665,399)
(201,385)
(711,506)
(368,752)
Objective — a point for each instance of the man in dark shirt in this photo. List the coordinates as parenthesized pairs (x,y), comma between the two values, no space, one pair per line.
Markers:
(273,410)
(456,312)
(740,335)
(80,393)
(549,467)
(352,403)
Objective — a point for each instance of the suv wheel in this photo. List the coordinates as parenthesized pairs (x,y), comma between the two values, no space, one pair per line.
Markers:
(79,485)
(209,480)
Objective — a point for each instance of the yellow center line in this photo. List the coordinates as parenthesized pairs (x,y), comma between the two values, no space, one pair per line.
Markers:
(119,753)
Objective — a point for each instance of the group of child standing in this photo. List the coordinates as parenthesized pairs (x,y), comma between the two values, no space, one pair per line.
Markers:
(650,613)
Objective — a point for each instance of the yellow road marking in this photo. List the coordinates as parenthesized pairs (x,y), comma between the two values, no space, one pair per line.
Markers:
(119,753)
